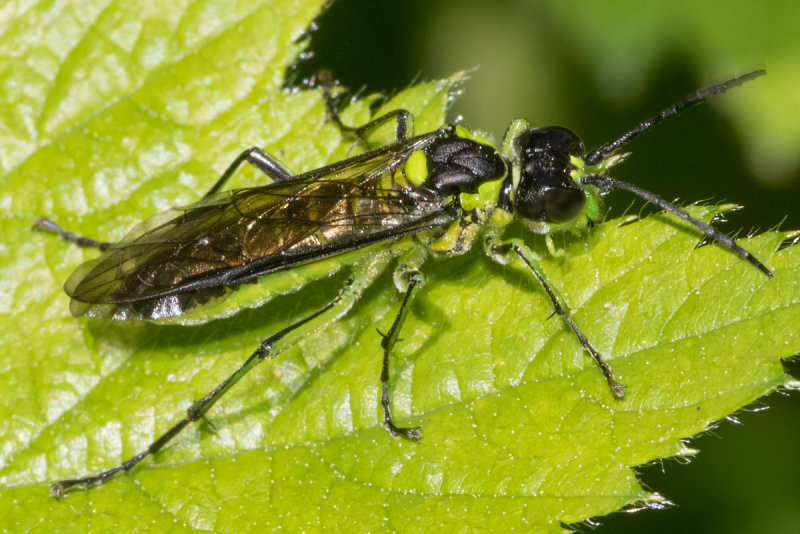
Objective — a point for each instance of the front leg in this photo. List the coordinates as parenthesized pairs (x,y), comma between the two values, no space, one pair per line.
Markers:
(503,252)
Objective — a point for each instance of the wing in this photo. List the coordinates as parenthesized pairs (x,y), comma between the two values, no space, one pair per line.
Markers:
(189,256)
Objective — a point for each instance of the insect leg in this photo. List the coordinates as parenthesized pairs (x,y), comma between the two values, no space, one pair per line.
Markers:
(47,225)
(415,281)
(254,156)
(404,126)
(269,166)
(501,252)
(258,159)
(363,275)
(195,412)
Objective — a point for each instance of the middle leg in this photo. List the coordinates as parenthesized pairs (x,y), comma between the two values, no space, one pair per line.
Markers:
(415,282)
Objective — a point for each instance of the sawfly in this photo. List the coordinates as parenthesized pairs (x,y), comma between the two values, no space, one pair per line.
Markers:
(430,196)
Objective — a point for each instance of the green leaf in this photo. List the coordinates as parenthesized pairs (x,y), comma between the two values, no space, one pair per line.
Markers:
(113,112)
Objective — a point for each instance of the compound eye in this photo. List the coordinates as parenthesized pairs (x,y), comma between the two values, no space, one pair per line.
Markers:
(562,204)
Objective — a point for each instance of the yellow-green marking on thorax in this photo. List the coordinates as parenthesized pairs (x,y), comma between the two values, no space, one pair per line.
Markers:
(416,168)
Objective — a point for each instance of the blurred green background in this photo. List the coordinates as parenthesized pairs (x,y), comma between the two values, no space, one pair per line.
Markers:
(599,68)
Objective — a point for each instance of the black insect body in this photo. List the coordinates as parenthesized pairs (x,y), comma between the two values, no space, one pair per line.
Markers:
(433,195)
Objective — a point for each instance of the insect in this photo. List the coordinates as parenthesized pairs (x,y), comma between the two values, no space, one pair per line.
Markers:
(434,195)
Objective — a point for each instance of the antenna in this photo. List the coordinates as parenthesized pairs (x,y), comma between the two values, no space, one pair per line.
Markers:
(600,153)
(604,182)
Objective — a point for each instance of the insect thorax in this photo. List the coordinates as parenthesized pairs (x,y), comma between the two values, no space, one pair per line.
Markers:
(467,170)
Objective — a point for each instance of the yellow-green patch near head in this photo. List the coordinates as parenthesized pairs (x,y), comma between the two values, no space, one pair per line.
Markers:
(416,168)
(466,133)
(488,193)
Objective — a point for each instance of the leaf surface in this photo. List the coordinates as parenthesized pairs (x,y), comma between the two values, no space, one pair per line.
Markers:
(111,113)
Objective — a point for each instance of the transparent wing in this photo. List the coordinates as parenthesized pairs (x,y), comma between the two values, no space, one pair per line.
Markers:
(189,256)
